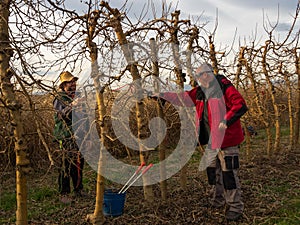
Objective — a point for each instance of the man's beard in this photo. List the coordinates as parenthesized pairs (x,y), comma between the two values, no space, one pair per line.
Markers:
(71,91)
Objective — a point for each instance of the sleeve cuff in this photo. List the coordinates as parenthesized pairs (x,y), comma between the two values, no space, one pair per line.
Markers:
(224,121)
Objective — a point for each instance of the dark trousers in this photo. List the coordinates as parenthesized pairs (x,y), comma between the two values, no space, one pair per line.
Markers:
(71,167)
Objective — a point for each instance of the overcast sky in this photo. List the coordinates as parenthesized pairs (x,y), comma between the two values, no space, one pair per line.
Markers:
(244,15)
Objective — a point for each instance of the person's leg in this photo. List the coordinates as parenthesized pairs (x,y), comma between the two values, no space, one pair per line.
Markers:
(229,159)
(214,175)
(64,180)
(76,171)
(64,176)
(76,167)
(218,198)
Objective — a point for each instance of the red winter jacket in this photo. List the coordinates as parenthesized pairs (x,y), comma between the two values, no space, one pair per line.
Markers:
(217,111)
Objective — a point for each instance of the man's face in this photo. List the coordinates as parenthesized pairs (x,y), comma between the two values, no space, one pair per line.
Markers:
(70,87)
(205,78)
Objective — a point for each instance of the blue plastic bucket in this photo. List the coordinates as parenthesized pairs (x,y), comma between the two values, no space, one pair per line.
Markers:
(113,204)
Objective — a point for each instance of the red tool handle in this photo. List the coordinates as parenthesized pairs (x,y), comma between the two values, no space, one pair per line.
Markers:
(140,167)
(147,168)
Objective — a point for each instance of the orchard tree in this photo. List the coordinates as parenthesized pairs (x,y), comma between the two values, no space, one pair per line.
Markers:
(21,26)
(10,101)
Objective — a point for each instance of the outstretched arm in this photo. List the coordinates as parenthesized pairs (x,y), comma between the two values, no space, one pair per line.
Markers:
(186,98)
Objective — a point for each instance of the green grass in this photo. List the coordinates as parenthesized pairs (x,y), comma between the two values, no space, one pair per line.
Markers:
(289,214)
(285,131)
(279,187)
(47,207)
(8,201)
(196,157)
(89,178)
(43,200)
(36,195)
(40,194)
(261,133)
(43,203)
(288,210)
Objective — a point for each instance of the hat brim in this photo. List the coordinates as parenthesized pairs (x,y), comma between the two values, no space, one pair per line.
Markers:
(69,80)
(73,78)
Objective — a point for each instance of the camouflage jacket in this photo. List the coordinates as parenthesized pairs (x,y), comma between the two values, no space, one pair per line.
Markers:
(62,117)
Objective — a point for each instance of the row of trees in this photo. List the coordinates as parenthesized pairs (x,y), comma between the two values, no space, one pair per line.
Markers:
(43,37)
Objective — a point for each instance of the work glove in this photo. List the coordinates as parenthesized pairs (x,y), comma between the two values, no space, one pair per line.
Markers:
(156,97)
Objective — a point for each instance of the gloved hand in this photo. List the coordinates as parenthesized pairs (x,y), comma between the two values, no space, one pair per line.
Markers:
(156,97)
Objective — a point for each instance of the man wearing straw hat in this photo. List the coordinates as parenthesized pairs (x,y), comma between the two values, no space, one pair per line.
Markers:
(72,162)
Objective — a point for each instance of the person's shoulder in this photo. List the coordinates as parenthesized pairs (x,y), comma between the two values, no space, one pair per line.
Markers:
(61,96)
(196,90)
(223,79)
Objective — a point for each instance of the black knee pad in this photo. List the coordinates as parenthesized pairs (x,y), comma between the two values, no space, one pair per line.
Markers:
(229,180)
(211,175)
(232,162)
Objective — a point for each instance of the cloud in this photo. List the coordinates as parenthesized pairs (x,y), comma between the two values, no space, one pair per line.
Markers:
(76,5)
(264,4)
(283,27)
(135,9)
(244,15)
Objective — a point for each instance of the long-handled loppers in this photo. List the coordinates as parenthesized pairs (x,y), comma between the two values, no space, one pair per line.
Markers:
(137,175)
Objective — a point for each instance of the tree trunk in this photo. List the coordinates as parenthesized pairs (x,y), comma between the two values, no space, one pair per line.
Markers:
(239,69)
(179,80)
(237,80)
(290,108)
(297,114)
(271,90)
(97,217)
(288,84)
(194,35)
(261,112)
(212,55)
(160,113)
(144,155)
(115,21)
(10,101)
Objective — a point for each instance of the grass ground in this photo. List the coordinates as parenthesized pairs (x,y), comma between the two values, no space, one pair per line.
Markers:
(270,186)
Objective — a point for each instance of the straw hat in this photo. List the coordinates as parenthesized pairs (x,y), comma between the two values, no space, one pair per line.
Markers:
(66,76)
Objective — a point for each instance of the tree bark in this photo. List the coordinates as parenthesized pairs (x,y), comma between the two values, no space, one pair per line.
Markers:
(212,55)
(160,113)
(271,90)
(115,22)
(261,112)
(238,79)
(289,91)
(194,35)
(10,101)
(179,79)
(97,217)
(297,114)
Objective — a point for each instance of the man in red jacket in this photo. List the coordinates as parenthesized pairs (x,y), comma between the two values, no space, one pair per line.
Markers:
(219,107)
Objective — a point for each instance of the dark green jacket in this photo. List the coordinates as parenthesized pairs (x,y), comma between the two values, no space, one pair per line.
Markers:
(62,117)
